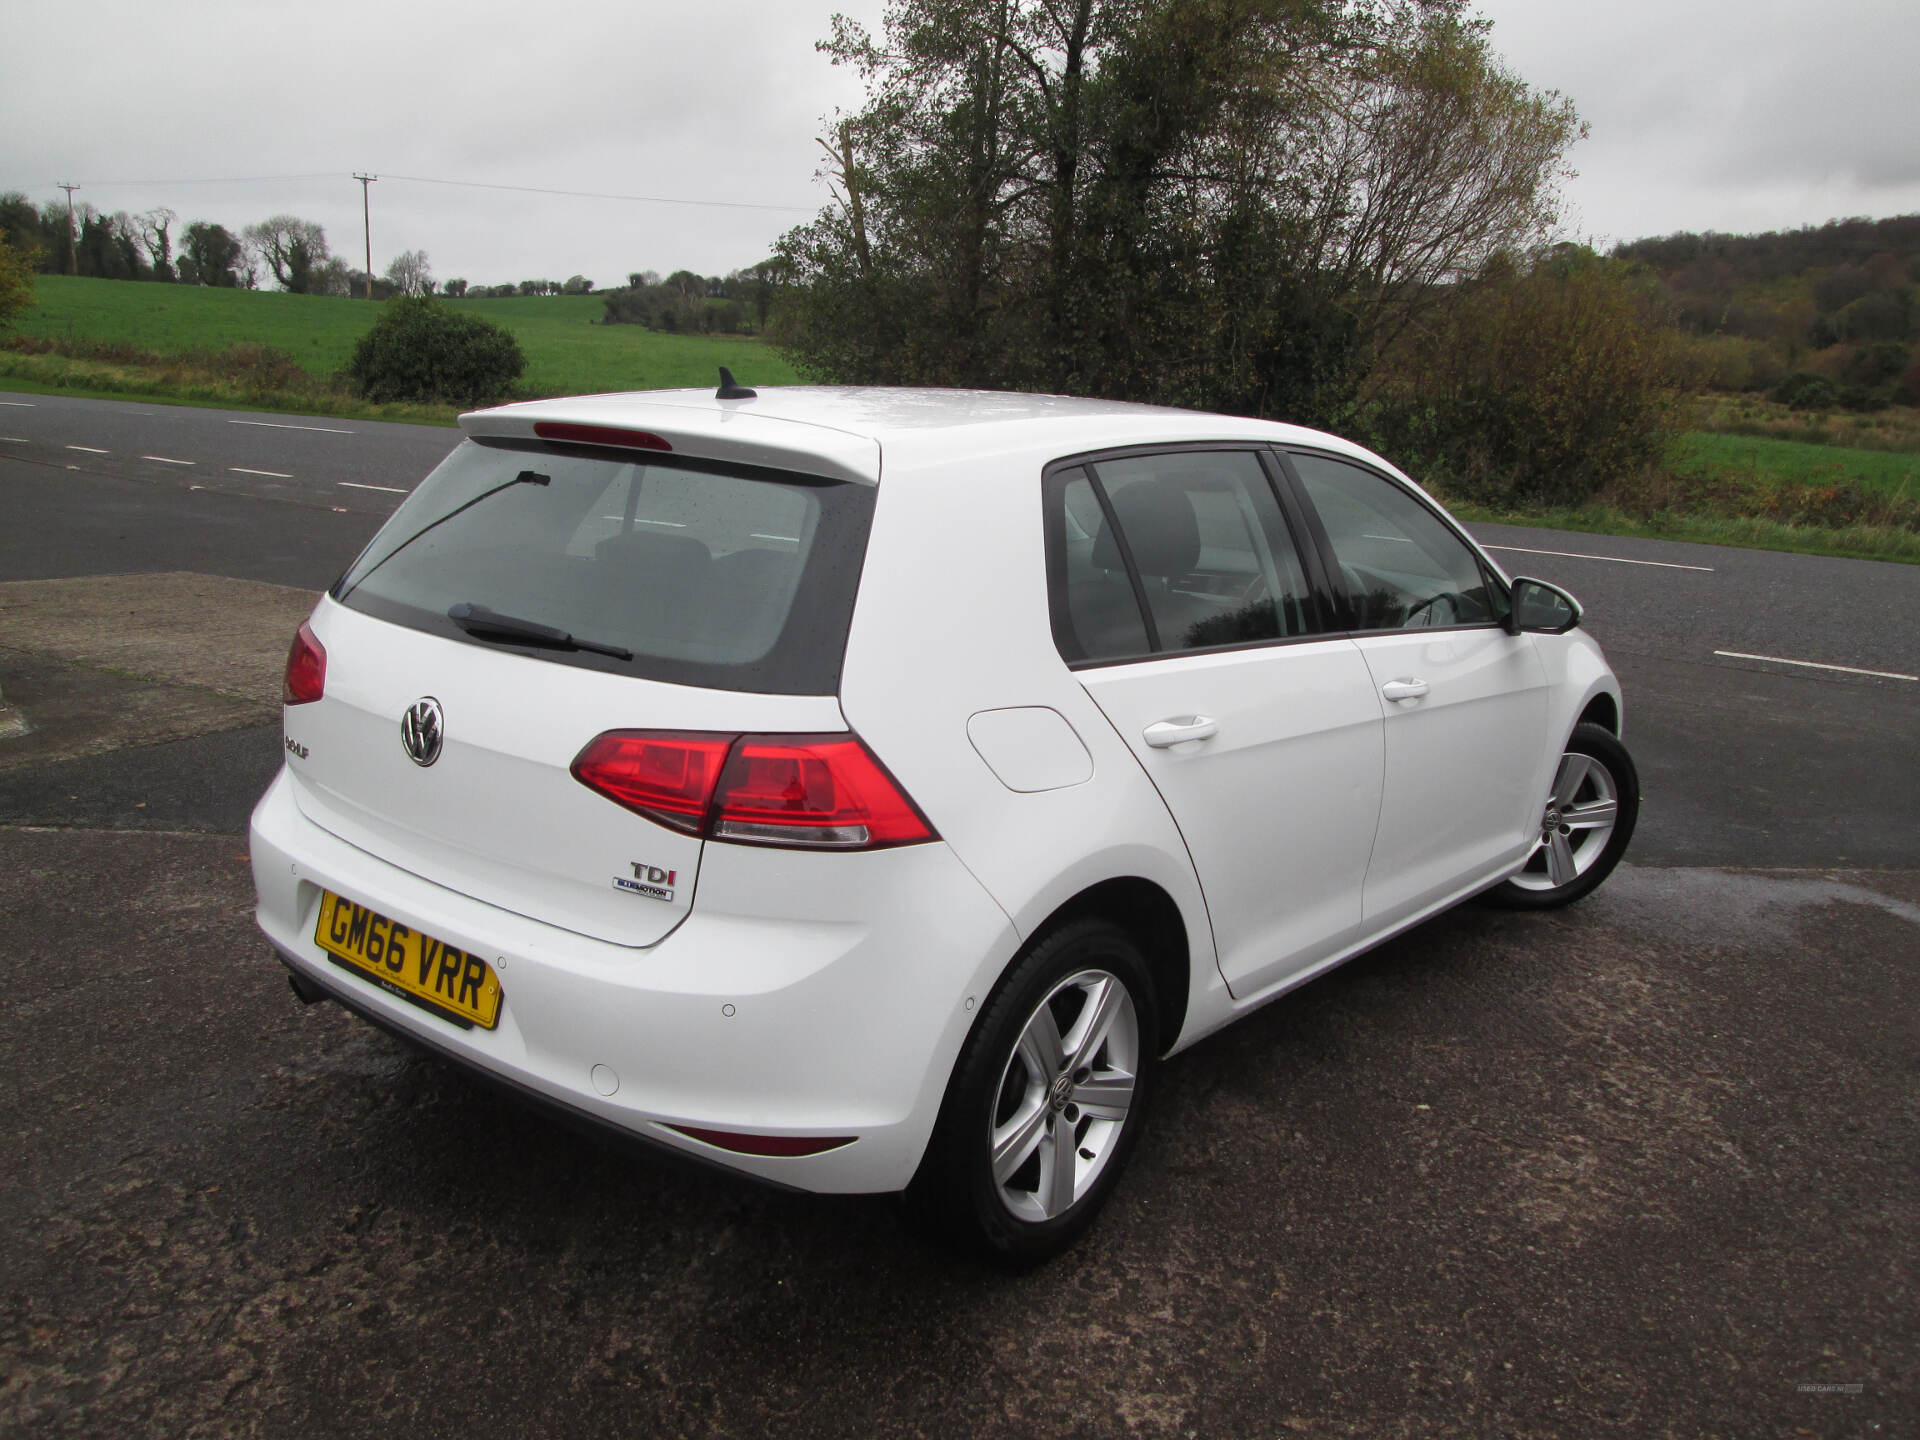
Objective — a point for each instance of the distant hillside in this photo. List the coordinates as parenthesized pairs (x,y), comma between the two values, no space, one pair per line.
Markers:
(1822,316)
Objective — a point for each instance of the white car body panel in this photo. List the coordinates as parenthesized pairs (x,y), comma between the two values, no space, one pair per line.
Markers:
(1456,805)
(498,814)
(1299,736)
(807,993)
(804,996)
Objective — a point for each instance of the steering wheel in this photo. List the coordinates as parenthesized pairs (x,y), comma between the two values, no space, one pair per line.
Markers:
(1427,605)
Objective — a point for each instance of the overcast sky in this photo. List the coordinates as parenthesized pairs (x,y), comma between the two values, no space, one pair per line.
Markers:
(1733,115)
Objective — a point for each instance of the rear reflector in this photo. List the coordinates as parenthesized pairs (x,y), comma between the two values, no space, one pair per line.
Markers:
(306,677)
(599,435)
(766,1144)
(817,792)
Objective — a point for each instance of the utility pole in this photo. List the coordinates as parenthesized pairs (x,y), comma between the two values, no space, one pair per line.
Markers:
(366,216)
(73,265)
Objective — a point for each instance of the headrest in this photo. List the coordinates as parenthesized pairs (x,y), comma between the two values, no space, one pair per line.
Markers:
(1161,530)
(653,551)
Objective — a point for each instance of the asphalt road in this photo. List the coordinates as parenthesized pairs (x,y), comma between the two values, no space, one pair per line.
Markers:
(1642,1167)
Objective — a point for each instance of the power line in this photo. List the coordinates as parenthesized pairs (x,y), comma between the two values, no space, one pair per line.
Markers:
(462,184)
(217,180)
(602,195)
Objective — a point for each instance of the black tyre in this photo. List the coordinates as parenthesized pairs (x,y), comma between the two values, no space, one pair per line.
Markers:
(1585,826)
(1046,1101)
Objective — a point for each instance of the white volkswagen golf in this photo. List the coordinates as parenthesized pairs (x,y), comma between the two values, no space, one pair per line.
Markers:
(865,789)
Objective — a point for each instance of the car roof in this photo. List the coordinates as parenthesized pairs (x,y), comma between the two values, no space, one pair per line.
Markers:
(845,431)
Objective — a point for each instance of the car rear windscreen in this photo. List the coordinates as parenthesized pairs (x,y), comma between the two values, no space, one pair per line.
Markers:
(703,573)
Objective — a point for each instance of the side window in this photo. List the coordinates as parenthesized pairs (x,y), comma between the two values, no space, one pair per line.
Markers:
(1096,613)
(1196,537)
(1402,566)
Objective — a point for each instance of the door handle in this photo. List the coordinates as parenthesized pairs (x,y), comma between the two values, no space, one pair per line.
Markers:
(1163,733)
(1404,689)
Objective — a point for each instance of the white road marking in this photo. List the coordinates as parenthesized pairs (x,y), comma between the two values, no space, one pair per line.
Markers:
(90,449)
(794,538)
(1616,559)
(165,461)
(15,440)
(390,489)
(270,474)
(277,425)
(18,404)
(1816,665)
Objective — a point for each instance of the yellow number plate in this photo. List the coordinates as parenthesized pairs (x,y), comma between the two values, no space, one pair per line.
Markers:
(430,973)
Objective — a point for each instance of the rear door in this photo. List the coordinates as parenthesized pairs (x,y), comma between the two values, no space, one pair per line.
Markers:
(1181,601)
(1465,703)
(691,596)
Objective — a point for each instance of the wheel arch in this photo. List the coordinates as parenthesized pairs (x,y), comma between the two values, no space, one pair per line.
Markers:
(1148,913)
(1603,710)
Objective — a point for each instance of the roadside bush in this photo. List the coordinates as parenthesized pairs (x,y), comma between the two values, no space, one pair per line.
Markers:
(1729,363)
(1877,363)
(16,280)
(1907,389)
(1806,390)
(1862,398)
(1835,505)
(1537,388)
(421,351)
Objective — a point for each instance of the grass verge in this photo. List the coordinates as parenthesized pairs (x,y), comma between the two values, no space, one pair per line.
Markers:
(1853,542)
(247,378)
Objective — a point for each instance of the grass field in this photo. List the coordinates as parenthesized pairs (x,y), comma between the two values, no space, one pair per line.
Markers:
(567,354)
(1792,462)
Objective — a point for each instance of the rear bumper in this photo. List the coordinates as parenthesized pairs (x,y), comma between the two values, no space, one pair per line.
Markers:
(806,995)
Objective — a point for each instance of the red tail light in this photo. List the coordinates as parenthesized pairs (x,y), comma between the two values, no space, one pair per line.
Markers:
(662,775)
(306,678)
(813,791)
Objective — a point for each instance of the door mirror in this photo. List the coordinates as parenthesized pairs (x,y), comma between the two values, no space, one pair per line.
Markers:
(1542,609)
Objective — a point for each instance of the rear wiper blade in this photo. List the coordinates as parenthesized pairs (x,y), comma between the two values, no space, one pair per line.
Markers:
(484,624)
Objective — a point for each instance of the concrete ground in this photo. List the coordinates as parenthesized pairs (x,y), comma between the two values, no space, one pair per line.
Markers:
(1642,1168)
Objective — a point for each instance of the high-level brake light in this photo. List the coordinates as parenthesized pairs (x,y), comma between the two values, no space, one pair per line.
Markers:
(599,435)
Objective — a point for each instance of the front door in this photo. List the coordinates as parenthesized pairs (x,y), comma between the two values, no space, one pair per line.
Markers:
(1464,702)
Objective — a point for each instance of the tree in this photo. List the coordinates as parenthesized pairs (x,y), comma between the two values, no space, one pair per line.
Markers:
(210,255)
(577,285)
(16,280)
(290,248)
(20,224)
(108,247)
(1232,203)
(154,228)
(419,350)
(1534,384)
(332,277)
(454,288)
(410,274)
